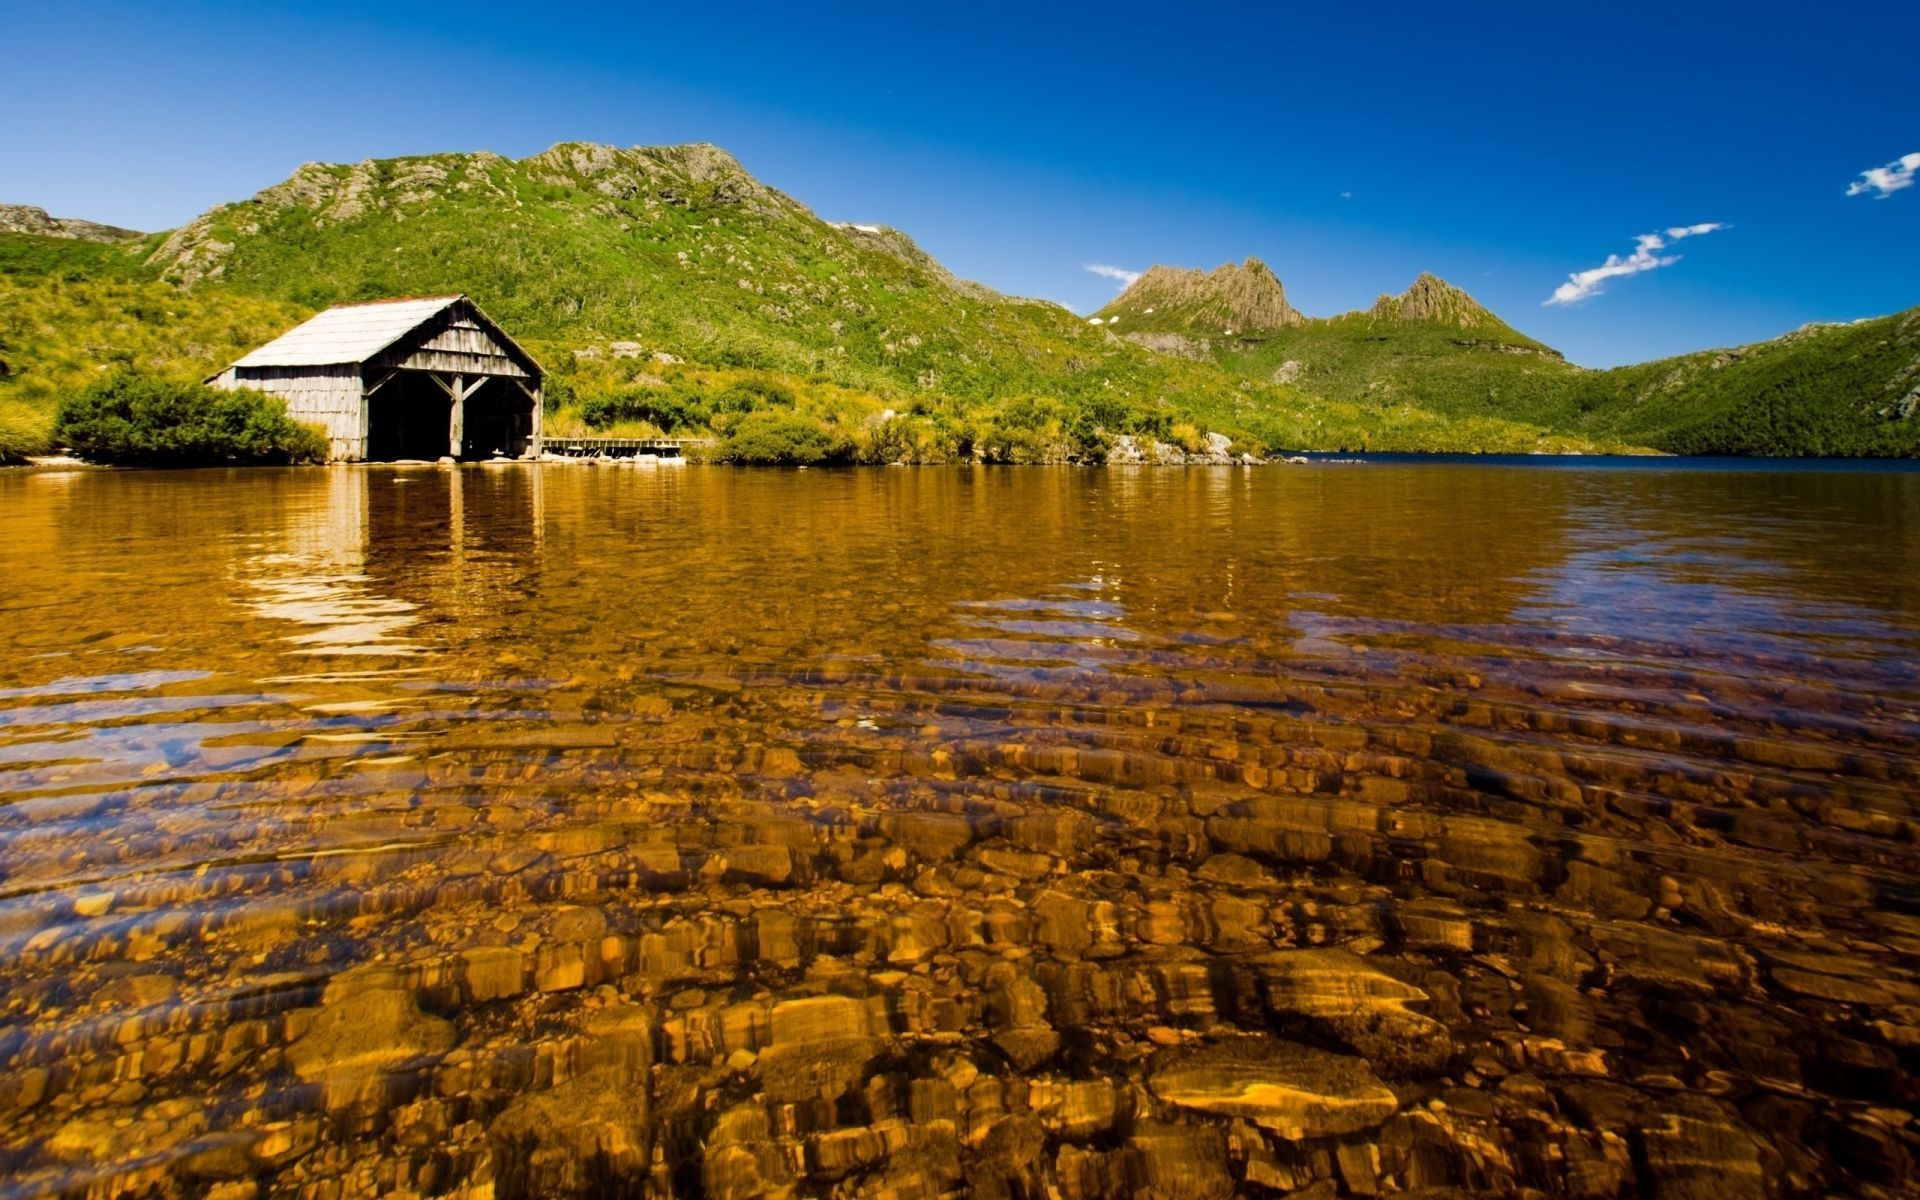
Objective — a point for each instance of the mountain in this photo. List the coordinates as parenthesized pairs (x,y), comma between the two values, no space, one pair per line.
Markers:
(1430,298)
(1228,300)
(1842,390)
(1824,390)
(1433,345)
(25,218)
(666,287)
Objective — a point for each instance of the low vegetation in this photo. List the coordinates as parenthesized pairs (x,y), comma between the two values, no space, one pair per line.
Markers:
(23,431)
(129,419)
(84,319)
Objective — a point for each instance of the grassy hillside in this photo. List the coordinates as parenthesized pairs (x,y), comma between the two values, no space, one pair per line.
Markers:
(667,289)
(1843,390)
(72,310)
(848,329)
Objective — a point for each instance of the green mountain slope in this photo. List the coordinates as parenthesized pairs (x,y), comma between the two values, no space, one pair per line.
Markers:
(670,289)
(1825,390)
(1843,390)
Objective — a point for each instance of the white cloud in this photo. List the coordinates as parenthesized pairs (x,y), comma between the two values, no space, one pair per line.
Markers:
(1119,275)
(1346,195)
(1646,256)
(1885,181)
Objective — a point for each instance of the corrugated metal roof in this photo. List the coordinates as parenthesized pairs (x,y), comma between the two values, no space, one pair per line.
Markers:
(351,333)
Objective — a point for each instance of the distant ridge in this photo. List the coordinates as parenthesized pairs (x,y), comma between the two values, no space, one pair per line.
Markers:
(26,218)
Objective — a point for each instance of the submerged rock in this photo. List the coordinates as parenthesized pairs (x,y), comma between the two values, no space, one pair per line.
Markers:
(1342,994)
(363,1035)
(587,1136)
(1293,1090)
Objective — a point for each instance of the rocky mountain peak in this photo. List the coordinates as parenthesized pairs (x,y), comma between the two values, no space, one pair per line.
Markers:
(1431,298)
(25,218)
(1230,299)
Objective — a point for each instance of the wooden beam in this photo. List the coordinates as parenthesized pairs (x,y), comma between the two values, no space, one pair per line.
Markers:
(384,381)
(457,421)
(449,388)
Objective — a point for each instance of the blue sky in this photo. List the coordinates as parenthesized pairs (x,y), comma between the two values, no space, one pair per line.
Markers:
(1502,146)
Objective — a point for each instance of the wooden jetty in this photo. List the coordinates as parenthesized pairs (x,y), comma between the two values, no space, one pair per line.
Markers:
(615,447)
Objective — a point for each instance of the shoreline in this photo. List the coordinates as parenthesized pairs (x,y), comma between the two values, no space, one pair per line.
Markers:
(56,464)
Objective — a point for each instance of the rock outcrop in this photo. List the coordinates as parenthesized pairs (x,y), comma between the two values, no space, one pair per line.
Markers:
(1431,298)
(1227,301)
(25,218)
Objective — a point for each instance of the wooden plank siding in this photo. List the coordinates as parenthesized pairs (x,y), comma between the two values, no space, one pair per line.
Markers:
(329,397)
(463,348)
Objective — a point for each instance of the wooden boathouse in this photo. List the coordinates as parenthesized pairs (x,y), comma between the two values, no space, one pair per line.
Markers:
(402,379)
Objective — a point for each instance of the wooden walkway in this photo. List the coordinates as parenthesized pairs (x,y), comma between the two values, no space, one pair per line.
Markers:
(614,447)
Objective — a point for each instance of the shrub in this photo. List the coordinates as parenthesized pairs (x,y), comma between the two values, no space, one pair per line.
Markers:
(22,432)
(752,395)
(139,420)
(782,439)
(666,408)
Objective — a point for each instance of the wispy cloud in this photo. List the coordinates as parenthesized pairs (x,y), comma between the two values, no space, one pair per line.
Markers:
(1119,275)
(1646,256)
(1885,181)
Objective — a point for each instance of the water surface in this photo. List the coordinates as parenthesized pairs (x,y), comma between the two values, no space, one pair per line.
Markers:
(1011,832)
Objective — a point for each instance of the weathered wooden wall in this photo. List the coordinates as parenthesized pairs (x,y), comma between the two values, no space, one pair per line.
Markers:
(329,397)
(458,345)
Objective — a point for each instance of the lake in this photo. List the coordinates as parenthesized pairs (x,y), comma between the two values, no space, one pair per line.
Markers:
(1006,832)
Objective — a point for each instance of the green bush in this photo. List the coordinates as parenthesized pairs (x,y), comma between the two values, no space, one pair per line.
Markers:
(666,408)
(782,439)
(556,392)
(752,395)
(130,419)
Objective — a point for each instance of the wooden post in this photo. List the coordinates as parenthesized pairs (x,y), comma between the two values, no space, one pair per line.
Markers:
(539,403)
(457,423)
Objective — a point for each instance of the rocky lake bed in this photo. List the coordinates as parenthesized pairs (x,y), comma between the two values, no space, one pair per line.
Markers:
(1440,830)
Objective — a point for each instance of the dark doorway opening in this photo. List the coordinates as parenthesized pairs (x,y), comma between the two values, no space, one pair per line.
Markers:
(408,418)
(499,420)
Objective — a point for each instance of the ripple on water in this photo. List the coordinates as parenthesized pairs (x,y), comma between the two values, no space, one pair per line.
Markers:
(1078,833)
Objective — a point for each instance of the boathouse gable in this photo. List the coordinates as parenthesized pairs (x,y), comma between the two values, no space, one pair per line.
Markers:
(400,379)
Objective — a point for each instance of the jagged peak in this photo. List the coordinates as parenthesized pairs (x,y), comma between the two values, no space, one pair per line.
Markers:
(1232,298)
(1431,298)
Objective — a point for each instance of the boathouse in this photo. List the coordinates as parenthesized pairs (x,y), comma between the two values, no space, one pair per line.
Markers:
(402,379)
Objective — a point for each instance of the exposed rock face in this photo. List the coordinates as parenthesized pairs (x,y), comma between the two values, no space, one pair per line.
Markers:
(1295,1091)
(25,218)
(1177,344)
(1431,298)
(1226,301)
